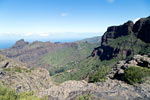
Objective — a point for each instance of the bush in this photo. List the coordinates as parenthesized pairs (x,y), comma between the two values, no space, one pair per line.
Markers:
(100,75)
(9,94)
(84,97)
(135,75)
(17,69)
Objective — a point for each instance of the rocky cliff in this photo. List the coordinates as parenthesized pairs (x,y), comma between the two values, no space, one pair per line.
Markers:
(125,40)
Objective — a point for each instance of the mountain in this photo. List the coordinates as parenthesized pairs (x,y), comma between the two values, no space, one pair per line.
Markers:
(118,43)
(96,39)
(56,57)
(125,40)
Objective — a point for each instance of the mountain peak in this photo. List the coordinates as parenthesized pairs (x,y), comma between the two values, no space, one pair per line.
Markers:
(118,31)
(20,44)
(142,29)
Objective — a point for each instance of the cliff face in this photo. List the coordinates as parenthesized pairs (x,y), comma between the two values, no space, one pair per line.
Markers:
(125,40)
(114,32)
(142,29)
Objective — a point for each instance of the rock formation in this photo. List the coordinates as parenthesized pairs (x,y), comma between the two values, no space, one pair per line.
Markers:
(16,75)
(114,32)
(137,61)
(142,29)
(124,40)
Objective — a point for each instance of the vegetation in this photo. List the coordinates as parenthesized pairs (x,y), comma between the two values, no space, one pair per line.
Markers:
(65,58)
(146,50)
(84,69)
(135,75)
(17,69)
(85,97)
(9,94)
(100,75)
(95,68)
(128,46)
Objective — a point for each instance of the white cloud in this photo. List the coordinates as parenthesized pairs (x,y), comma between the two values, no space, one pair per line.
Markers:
(44,34)
(64,14)
(110,1)
(28,34)
(136,20)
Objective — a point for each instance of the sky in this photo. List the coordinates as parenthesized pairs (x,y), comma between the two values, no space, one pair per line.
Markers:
(56,20)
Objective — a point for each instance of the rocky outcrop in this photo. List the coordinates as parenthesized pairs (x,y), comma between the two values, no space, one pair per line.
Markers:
(16,75)
(108,90)
(137,61)
(27,80)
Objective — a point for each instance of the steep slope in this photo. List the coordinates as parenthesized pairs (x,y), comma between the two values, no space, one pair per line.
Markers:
(125,41)
(55,57)
(16,75)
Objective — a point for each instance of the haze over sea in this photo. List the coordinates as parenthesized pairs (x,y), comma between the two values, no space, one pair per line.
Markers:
(10,40)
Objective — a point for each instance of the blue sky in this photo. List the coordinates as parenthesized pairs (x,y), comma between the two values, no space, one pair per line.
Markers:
(58,19)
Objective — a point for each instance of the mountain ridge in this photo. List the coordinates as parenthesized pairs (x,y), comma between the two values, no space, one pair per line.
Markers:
(132,34)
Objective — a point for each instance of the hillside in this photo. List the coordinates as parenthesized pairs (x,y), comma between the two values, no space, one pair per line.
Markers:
(118,43)
(56,57)
(18,82)
(96,39)
(22,83)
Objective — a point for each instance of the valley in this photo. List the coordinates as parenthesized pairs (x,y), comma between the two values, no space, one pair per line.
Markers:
(113,67)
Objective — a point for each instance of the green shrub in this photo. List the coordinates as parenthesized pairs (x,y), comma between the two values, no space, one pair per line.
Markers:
(135,75)
(17,69)
(9,94)
(7,69)
(100,75)
(84,97)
